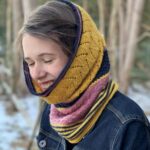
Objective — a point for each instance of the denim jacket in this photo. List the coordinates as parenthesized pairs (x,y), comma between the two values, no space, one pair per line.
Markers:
(122,126)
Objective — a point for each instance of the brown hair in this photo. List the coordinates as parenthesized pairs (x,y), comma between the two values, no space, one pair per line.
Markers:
(53,20)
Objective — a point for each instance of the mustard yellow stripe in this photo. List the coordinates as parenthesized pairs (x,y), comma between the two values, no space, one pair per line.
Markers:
(89,115)
(70,131)
(74,133)
(103,95)
(85,122)
(66,126)
(66,129)
(108,92)
(100,98)
(65,133)
(71,134)
(94,119)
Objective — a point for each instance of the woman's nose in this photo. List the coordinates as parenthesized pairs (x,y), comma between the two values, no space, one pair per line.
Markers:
(37,72)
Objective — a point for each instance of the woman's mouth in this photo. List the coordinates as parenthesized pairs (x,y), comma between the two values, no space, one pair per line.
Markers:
(46,84)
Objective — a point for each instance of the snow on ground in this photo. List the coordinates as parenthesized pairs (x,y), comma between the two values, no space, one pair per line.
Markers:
(15,130)
(141,96)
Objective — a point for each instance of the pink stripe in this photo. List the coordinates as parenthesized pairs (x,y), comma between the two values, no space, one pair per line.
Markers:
(79,110)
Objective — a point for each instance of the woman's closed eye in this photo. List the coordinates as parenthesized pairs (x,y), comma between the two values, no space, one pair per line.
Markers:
(48,60)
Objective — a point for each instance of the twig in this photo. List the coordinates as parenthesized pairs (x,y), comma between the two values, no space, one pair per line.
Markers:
(143,36)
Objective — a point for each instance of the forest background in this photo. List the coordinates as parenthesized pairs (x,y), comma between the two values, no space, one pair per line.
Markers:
(125,25)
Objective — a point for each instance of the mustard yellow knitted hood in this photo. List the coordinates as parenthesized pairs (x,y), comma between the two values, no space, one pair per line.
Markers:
(89,52)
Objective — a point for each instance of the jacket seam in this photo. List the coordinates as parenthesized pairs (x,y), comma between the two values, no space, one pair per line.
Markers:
(124,119)
(120,127)
(50,135)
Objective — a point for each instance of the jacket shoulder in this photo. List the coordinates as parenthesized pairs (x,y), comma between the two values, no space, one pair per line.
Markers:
(125,109)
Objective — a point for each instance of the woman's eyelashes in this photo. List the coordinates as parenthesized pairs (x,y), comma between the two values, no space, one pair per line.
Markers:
(47,61)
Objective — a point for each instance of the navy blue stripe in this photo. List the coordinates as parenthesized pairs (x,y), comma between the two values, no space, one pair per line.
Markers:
(105,66)
(66,105)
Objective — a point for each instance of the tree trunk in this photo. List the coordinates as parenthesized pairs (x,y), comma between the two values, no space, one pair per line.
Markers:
(122,39)
(85,4)
(17,17)
(8,55)
(130,50)
(101,9)
(28,6)
(8,58)
(112,39)
(17,23)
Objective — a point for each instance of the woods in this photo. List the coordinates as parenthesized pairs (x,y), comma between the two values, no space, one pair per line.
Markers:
(119,21)
(125,24)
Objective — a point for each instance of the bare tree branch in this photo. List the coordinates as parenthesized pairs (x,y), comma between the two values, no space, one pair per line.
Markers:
(146,27)
(143,36)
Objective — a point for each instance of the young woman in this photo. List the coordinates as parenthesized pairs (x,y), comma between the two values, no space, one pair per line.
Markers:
(66,63)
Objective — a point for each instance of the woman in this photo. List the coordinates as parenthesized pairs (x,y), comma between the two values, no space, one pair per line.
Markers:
(66,63)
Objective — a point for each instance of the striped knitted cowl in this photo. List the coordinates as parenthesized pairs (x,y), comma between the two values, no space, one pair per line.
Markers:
(84,88)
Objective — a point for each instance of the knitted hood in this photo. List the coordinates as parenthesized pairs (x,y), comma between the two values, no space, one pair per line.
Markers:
(83,66)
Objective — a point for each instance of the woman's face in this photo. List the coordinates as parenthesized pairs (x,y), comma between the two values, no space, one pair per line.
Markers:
(45,59)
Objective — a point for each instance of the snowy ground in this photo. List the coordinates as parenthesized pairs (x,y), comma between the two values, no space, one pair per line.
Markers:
(142,97)
(15,130)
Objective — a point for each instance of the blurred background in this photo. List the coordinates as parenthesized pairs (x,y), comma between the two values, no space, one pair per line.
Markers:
(125,25)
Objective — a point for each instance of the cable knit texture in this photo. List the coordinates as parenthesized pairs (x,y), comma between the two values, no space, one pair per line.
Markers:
(84,66)
(81,95)
(89,75)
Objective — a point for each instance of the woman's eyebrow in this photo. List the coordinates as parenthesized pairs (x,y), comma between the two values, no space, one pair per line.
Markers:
(40,55)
